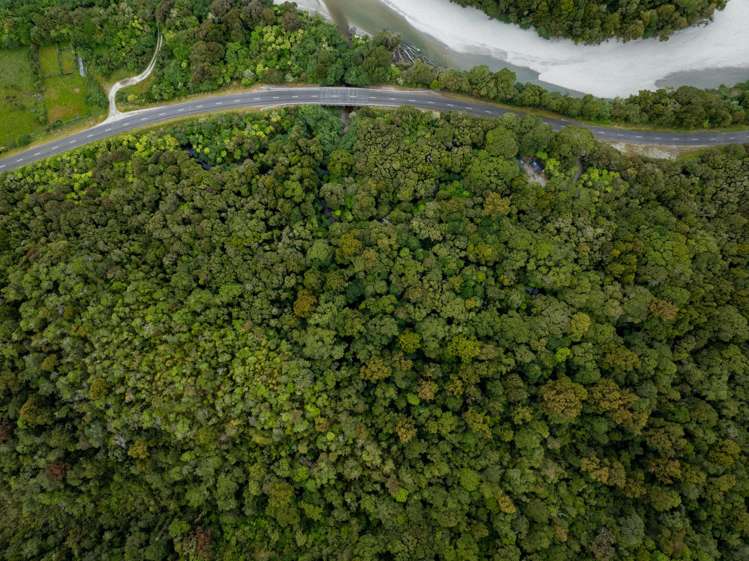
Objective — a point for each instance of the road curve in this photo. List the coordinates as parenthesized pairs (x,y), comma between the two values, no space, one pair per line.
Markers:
(348,97)
(114,114)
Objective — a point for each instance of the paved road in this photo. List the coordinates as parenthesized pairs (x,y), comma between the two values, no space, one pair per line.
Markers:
(281,96)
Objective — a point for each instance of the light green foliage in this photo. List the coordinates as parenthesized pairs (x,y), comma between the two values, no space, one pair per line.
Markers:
(375,342)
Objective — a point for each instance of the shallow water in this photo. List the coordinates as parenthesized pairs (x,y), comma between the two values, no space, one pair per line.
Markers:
(704,56)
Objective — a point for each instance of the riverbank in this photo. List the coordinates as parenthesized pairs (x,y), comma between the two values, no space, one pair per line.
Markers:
(704,56)
(607,70)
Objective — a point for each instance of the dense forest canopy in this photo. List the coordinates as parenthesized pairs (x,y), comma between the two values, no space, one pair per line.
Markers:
(290,336)
(593,21)
(223,43)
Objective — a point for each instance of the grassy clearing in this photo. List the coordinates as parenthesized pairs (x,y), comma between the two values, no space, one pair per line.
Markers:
(15,70)
(65,97)
(17,97)
(68,62)
(49,62)
(32,106)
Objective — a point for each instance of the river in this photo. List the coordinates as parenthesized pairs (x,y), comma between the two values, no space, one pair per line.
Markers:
(704,56)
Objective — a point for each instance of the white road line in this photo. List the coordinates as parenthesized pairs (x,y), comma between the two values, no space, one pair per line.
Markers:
(361,99)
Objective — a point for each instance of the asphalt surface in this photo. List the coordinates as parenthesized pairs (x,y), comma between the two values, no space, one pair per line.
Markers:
(351,97)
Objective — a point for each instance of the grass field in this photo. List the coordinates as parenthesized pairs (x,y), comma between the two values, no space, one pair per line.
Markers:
(65,97)
(57,60)
(67,58)
(17,96)
(63,94)
(48,61)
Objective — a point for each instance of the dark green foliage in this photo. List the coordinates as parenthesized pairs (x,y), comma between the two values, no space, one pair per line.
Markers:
(207,44)
(593,21)
(685,107)
(376,342)
(213,45)
(109,34)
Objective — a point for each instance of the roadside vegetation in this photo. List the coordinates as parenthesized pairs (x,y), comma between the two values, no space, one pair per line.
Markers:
(280,336)
(228,43)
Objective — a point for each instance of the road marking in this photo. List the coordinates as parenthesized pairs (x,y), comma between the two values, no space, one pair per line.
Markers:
(361,97)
